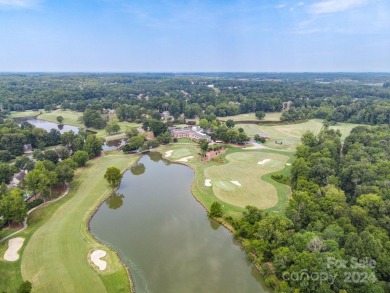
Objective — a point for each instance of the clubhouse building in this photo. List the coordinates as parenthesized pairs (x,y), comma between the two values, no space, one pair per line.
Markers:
(194,133)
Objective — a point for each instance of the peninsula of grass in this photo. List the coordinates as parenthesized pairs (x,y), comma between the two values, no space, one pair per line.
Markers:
(276,197)
(70,117)
(55,256)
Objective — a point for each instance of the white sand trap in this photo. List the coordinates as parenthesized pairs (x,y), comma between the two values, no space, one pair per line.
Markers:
(14,245)
(96,259)
(185,159)
(264,161)
(236,182)
(207,183)
(168,153)
(288,164)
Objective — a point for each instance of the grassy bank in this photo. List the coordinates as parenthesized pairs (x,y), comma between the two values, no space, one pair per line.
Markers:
(55,257)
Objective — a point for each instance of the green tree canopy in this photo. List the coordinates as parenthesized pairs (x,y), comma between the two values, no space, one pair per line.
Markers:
(113,175)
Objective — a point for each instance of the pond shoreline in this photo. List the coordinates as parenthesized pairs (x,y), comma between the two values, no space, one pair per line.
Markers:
(129,259)
(90,216)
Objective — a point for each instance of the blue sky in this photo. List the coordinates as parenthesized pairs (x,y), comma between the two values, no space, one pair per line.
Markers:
(194,36)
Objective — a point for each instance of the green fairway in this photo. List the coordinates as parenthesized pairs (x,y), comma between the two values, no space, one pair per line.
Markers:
(279,193)
(274,116)
(55,257)
(240,183)
(28,113)
(290,134)
(70,117)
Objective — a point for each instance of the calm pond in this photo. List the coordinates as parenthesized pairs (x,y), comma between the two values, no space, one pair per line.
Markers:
(48,125)
(108,145)
(165,237)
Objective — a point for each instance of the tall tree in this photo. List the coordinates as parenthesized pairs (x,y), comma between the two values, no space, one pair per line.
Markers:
(113,175)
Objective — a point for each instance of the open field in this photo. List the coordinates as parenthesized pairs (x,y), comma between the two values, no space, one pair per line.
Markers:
(243,169)
(290,134)
(28,113)
(207,195)
(274,116)
(56,257)
(70,117)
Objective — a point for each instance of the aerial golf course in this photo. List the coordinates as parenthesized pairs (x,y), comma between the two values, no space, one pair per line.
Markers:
(57,248)
(55,255)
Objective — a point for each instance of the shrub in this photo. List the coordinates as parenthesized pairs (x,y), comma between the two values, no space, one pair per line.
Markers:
(34,203)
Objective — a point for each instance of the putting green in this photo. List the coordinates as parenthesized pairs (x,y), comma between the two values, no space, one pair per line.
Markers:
(244,168)
(180,153)
(55,258)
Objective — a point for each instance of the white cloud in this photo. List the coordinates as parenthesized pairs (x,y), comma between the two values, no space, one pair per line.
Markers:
(301,3)
(21,4)
(332,6)
(281,6)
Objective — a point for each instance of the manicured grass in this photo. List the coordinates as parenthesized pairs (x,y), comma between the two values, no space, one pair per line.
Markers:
(243,167)
(180,152)
(290,134)
(6,232)
(56,257)
(185,140)
(206,195)
(274,116)
(70,117)
(28,113)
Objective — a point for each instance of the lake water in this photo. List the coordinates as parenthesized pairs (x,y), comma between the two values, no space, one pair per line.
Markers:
(48,125)
(108,146)
(165,237)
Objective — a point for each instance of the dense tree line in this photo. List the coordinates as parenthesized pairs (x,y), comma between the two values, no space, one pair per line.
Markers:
(47,168)
(363,111)
(334,235)
(135,95)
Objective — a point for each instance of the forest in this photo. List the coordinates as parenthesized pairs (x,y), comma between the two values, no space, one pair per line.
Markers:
(357,98)
(334,236)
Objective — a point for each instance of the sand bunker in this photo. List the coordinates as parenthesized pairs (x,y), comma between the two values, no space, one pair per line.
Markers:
(236,182)
(207,183)
(185,159)
(168,153)
(96,259)
(264,161)
(13,247)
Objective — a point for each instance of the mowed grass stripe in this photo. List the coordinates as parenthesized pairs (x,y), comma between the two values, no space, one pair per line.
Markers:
(56,258)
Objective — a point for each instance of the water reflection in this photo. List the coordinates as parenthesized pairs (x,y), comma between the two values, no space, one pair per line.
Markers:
(138,169)
(46,125)
(115,201)
(214,224)
(114,144)
(154,156)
